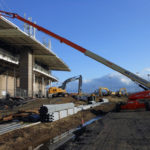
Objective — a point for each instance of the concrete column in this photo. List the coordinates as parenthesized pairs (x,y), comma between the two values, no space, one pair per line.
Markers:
(39,87)
(49,81)
(14,82)
(26,71)
(43,87)
(34,85)
(6,82)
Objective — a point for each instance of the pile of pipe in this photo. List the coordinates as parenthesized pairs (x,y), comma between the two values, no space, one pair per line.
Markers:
(53,112)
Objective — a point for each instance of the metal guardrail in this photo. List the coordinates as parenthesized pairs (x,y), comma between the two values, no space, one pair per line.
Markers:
(36,66)
(48,72)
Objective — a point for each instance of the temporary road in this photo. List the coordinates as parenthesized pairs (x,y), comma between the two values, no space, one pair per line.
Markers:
(115,131)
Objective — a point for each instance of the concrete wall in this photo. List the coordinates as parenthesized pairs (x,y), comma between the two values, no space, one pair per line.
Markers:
(28,82)
(7,85)
(11,85)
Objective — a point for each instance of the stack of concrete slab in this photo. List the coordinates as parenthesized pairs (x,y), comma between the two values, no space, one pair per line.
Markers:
(59,111)
(59,107)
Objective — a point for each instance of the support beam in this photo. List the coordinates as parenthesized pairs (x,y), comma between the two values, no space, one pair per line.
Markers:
(26,71)
(6,83)
(34,85)
(14,82)
(43,87)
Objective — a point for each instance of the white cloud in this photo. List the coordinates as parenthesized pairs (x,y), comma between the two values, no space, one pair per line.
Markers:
(146,70)
(125,80)
(120,77)
(87,81)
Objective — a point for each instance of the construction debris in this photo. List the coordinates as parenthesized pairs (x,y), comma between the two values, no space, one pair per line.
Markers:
(27,116)
(40,133)
(11,102)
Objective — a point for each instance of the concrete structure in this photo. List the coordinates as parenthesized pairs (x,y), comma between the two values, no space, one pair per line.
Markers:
(25,63)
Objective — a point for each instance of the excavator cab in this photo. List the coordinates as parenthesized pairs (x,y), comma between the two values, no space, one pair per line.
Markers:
(122,92)
(104,91)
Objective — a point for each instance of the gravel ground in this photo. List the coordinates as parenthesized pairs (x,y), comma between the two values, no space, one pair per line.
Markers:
(116,131)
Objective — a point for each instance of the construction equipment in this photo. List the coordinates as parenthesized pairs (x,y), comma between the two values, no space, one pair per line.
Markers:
(60,91)
(56,92)
(140,81)
(122,92)
(113,93)
(104,91)
(132,105)
(63,86)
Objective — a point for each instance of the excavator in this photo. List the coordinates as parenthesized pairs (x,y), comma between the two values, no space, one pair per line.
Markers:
(121,92)
(103,91)
(135,78)
(60,91)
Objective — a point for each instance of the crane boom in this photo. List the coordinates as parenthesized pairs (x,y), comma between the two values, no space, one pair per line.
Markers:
(142,82)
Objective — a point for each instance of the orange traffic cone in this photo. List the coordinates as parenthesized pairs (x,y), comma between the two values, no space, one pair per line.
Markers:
(82,121)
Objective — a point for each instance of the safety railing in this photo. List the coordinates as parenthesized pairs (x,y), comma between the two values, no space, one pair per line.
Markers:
(46,72)
(8,57)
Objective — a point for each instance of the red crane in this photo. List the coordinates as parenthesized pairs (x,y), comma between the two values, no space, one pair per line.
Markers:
(140,81)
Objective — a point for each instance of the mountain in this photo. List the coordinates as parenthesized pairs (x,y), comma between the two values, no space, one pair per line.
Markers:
(113,82)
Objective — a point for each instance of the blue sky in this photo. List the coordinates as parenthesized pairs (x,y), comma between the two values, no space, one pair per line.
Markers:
(118,30)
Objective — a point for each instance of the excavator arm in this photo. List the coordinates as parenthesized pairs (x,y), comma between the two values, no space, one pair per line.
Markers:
(63,86)
(142,82)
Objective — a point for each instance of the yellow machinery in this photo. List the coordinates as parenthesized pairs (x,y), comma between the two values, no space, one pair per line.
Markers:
(113,93)
(122,92)
(60,91)
(55,91)
(104,91)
